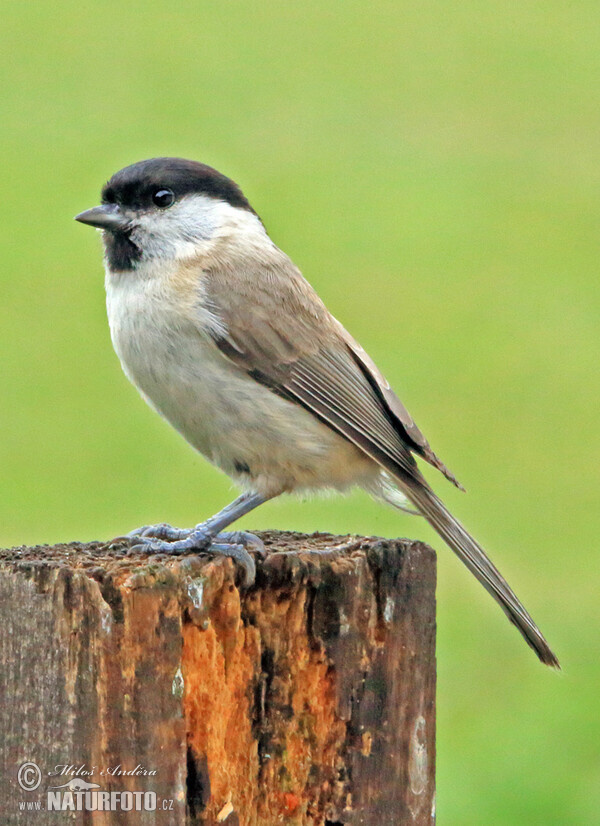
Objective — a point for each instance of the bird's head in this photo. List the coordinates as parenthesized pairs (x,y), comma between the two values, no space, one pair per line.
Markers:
(165,208)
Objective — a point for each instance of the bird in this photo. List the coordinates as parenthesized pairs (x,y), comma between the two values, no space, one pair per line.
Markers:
(224,337)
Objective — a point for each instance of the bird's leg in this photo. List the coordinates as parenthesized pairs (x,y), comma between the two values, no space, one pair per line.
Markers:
(207,536)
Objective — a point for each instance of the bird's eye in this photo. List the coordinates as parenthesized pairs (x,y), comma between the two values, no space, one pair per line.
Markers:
(163,198)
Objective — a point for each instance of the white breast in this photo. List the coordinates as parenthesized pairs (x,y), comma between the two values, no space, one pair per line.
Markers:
(171,363)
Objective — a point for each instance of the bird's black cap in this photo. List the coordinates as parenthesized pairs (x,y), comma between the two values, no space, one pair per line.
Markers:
(135,185)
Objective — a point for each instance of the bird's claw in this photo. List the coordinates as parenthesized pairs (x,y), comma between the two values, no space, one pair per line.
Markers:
(164,539)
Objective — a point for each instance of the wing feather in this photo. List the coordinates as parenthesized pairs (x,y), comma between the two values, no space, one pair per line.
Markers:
(280,332)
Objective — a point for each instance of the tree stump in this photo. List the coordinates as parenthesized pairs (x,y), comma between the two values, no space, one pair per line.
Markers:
(156,691)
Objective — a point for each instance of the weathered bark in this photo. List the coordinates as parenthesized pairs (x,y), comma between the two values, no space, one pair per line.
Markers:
(308,699)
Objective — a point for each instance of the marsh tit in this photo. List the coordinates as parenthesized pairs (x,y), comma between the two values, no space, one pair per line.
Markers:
(223,336)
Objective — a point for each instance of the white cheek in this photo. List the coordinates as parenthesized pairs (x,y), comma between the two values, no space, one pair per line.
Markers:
(184,249)
(177,231)
(190,226)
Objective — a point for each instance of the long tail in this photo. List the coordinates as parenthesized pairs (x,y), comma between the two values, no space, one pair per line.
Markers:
(474,557)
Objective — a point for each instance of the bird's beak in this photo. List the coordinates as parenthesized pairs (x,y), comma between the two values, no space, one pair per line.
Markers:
(107,216)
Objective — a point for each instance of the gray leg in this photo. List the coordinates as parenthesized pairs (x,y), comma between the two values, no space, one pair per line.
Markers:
(207,536)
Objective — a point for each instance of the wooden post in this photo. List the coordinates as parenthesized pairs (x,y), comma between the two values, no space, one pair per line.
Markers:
(308,699)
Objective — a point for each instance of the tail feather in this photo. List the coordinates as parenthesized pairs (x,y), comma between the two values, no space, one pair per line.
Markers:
(476,560)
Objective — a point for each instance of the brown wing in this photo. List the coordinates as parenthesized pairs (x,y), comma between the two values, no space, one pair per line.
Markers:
(280,332)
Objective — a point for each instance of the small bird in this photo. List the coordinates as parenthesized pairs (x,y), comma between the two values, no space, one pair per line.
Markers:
(224,337)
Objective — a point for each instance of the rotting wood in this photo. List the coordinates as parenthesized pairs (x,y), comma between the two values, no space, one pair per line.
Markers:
(309,699)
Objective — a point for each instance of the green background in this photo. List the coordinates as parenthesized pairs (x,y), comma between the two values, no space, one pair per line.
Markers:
(433,169)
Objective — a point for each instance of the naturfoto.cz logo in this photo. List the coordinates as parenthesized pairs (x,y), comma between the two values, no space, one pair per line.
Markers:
(80,795)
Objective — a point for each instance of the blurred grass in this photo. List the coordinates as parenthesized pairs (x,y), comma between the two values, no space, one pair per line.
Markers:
(434,171)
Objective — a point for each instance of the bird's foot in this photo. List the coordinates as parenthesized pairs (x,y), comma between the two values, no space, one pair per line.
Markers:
(165,539)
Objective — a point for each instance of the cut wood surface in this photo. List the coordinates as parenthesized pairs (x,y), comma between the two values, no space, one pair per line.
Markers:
(307,699)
